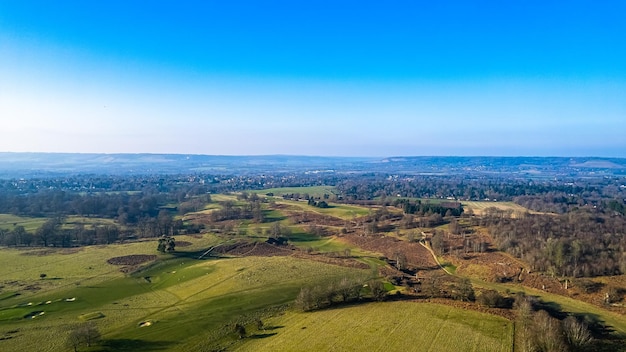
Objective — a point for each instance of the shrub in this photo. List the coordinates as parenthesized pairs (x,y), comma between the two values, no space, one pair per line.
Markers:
(492,299)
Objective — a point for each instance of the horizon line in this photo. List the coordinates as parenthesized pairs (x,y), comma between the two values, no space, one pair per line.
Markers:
(321,156)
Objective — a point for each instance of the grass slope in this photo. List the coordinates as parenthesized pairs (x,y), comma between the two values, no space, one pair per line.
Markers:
(342,211)
(8,222)
(391,326)
(314,191)
(184,298)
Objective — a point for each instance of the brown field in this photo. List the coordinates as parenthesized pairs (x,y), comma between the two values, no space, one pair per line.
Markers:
(479,207)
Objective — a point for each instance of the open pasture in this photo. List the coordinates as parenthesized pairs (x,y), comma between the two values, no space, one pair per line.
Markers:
(9,222)
(182,298)
(479,207)
(66,267)
(341,211)
(326,244)
(390,326)
(74,220)
(314,191)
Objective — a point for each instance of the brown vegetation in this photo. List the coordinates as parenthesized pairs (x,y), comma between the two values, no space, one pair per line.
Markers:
(132,260)
(260,249)
(416,255)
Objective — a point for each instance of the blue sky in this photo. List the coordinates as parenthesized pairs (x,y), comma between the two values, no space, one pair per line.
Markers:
(343,78)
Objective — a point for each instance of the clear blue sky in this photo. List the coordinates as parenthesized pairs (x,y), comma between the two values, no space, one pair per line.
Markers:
(375,78)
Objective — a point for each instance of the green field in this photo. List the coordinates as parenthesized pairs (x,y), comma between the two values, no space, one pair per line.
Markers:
(314,191)
(391,326)
(8,222)
(184,299)
(342,211)
(567,304)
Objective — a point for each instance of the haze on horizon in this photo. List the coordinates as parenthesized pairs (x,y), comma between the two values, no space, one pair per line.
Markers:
(336,78)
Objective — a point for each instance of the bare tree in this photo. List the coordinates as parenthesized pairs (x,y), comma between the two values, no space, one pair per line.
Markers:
(84,334)
(547,333)
(377,288)
(576,333)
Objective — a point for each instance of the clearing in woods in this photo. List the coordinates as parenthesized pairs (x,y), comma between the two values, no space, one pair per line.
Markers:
(479,207)
(341,211)
(9,221)
(314,191)
(389,326)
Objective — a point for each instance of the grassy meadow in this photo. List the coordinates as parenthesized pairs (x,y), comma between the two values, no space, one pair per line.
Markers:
(314,191)
(479,207)
(389,326)
(180,303)
(341,211)
(182,298)
(9,222)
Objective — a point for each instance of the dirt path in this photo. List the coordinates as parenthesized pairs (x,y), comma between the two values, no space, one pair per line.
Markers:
(435,258)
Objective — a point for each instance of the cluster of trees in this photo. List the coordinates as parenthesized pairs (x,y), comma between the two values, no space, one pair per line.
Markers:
(51,233)
(493,299)
(344,291)
(539,331)
(551,202)
(448,287)
(319,204)
(616,206)
(425,208)
(306,196)
(576,244)
(166,244)
(230,211)
(55,232)
(128,207)
(466,187)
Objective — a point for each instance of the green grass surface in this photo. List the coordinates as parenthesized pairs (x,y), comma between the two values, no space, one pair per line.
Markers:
(567,304)
(342,211)
(451,268)
(314,191)
(185,299)
(73,220)
(8,222)
(391,326)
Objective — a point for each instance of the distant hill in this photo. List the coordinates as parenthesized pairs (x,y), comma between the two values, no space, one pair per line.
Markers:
(45,164)
(15,165)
